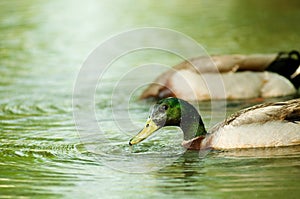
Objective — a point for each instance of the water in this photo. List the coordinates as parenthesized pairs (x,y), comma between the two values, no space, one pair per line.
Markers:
(42,48)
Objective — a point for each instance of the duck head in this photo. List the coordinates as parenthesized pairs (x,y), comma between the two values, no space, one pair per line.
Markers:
(172,112)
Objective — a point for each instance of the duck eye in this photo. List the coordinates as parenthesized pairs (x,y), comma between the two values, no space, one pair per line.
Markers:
(165,107)
(147,125)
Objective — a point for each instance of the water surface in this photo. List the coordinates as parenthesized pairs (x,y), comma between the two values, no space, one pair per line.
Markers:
(42,47)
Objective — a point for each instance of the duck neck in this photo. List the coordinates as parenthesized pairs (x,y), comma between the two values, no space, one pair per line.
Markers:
(192,124)
(193,129)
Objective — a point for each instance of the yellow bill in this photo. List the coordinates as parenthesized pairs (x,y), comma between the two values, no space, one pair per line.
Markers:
(149,128)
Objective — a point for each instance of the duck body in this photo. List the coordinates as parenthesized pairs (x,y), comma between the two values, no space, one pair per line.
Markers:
(269,134)
(239,85)
(228,77)
(265,125)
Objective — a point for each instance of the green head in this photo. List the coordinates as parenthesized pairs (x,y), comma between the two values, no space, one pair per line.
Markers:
(172,112)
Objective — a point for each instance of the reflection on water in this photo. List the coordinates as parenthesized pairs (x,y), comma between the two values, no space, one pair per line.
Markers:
(225,175)
(42,46)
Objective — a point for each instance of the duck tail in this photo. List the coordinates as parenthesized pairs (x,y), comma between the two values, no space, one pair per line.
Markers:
(296,81)
(286,64)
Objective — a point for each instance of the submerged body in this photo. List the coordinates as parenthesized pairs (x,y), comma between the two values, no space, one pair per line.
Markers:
(265,125)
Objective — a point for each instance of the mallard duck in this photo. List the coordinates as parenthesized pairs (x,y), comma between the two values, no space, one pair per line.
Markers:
(265,125)
(229,77)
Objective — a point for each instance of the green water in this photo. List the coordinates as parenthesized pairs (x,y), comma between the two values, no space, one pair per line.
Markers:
(43,45)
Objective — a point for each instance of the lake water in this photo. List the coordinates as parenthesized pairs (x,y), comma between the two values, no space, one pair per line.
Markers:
(44,154)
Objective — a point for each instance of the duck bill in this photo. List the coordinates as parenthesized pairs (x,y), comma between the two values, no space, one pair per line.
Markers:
(148,130)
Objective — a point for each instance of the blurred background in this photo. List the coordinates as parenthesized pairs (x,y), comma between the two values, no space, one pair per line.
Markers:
(42,47)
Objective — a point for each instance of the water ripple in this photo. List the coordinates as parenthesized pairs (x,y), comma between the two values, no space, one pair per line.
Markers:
(24,108)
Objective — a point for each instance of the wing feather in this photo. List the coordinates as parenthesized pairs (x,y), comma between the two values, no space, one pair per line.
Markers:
(288,111)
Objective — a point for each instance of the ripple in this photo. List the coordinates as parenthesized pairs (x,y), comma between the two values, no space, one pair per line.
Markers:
(38,150)
(24,108)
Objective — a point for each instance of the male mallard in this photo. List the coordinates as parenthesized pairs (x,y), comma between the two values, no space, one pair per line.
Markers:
(264,125)
(229,77)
